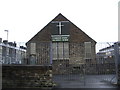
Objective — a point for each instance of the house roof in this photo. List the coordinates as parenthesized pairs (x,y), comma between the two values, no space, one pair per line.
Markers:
(75,32)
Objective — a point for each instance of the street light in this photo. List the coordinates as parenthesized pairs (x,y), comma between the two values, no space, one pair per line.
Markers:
(7,33)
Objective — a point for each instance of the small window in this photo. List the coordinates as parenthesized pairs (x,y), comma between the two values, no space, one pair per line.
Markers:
(33,48)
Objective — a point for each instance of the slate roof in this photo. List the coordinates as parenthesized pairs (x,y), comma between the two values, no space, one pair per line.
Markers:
(76,34)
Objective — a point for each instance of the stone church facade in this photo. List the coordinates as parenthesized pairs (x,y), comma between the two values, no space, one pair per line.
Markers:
(61,44)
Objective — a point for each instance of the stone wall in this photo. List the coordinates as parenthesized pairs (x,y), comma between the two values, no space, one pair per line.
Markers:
(27,76)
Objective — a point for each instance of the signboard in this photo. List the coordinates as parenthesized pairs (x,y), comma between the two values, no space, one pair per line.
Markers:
(60,38)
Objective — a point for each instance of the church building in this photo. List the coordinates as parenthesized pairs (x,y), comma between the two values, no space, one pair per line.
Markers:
(61,44)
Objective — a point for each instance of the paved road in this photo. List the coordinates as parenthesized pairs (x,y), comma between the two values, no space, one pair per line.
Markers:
(85,81)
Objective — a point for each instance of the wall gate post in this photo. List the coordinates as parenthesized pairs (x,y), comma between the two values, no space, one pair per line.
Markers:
(117,61)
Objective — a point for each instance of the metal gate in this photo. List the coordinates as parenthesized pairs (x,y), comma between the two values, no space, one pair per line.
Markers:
(83,67)
(78,65)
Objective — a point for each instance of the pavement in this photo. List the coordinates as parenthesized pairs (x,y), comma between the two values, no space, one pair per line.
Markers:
(85,81)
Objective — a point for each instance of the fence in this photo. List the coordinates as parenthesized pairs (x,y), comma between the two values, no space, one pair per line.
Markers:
(82,66)
(90,72)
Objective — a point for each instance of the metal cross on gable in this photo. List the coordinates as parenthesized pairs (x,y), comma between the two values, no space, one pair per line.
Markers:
(59,25)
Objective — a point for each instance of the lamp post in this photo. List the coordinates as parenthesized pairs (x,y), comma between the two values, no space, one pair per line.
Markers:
(7,33)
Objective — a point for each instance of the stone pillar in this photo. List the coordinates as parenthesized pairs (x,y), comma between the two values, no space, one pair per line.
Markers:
(0,76)
(119,74)
(117,61)
(119,40)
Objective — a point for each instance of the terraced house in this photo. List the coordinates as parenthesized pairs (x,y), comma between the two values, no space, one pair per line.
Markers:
(11,54)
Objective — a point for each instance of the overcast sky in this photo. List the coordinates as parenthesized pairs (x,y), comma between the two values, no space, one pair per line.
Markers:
(24,18)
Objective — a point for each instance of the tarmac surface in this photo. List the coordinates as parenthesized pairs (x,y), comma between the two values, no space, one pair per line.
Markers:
(85,81)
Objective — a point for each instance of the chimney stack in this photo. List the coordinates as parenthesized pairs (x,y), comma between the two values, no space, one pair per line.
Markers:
(5,41)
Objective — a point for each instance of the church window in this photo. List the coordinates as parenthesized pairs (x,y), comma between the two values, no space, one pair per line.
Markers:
(88,50)
(60,50)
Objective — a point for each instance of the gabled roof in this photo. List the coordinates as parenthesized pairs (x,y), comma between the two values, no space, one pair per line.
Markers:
(45,33)
(60,17)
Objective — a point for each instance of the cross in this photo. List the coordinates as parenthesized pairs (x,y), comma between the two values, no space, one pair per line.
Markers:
(60,27)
